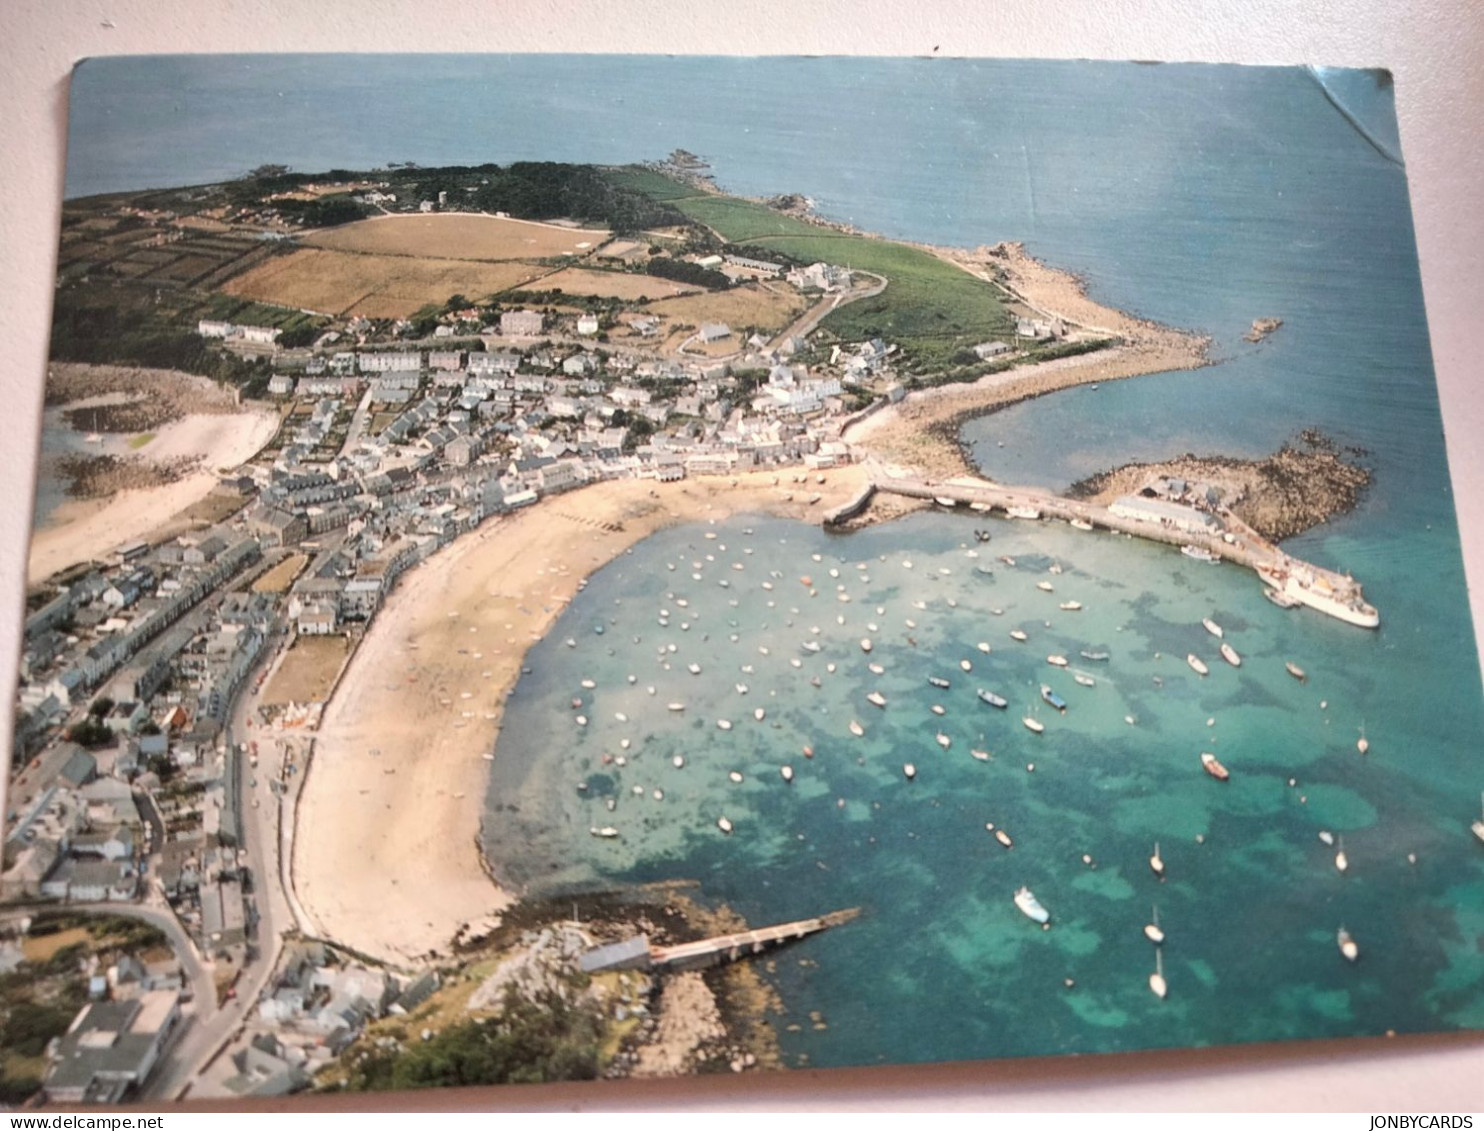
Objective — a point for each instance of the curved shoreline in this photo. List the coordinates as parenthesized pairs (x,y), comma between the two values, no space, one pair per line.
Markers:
(385,855)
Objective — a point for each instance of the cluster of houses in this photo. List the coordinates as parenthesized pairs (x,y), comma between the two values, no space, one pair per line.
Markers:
(318,1004)
(256,335)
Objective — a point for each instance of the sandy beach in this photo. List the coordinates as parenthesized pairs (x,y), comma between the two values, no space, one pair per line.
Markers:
(386,855)
(81,529)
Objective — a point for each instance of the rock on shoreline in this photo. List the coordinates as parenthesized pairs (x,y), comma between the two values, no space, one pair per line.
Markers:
(98,477)
(1261,328)
(1303,484)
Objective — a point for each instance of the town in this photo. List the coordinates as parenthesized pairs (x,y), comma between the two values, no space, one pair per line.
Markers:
(170,692)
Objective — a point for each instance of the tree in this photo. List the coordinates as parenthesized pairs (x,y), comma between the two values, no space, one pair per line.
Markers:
(101,706)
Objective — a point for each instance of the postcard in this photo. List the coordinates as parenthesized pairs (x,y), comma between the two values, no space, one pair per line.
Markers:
(571,567)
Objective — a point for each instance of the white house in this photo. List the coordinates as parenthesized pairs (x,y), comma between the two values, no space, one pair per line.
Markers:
(522,323)
(587,324)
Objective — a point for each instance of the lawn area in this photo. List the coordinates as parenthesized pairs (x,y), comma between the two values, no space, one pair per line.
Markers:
(654,185)
(930,307)
(308,671)
(458,236)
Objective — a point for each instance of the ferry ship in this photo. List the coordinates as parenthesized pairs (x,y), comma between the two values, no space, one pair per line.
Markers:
(1338,598)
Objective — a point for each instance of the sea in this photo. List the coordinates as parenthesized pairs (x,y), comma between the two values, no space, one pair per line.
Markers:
(1198,196)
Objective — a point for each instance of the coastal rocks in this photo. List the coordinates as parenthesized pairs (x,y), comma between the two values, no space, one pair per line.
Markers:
(1261,328)
(1304,483)
(102,476)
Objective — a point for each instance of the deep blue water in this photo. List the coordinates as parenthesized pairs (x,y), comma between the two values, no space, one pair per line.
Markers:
(1198,196)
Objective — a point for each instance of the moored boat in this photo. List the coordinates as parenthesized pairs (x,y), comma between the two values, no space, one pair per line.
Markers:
(1157,985)
(1213,767)
(1347,944)
(1056,660)
(1095,656)
(1212,627)
(1157,863)
(876,698)
(607,832)
(1282,600)
(1052,698)
(724,825)
(1044,586)
(1018,634)
(1294,670)
(992,699)
(981,755)
(856,729)
(866,644)
(1081,524)
(1153,931)
(786,773)
(1031,907)
(1196,664)
(938,681)
(1200,554)
(1023,512)
(1342,862)
(909,770)
(1084,679)
(943,740)
(1478,826)
(1229,654)
(1071,606)
(1004,838)
(1034,725)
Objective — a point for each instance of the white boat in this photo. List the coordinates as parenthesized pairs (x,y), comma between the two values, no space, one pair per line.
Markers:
(989,697)
(866,644)
(677,706)
(1152,931)
(1081,524)
(1035,726)
(1212,627)
(1281,600)
(1229,654)
(1023,512)
(909,770)
(1197,664)
(1326,837)
(1071,606)
(876,698)
(938,681)
(1347,944)
(1004,838)
(856,729)
(966,665)
(981,755)
(1018,634)
(1478,826)
(607,832)
(787,773)
(811,645)
(759,714)
(1213,767)
(1342,862)
(943,740)
(1338,597)
(1200,554)
(876,669)
(1156,862)
(1045,586)
(1084,679)
(694,669)
(1056,660)
(1030,907)
(1363,744)
(1157,984)
(724,825)
(724,724)
(945,501)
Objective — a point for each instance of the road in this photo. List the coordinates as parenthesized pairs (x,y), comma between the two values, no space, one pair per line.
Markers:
(259,837)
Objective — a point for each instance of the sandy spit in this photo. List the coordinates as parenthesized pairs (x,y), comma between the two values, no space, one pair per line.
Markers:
(386,855)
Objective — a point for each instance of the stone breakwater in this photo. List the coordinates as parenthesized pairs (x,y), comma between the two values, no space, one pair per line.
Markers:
(1303,484)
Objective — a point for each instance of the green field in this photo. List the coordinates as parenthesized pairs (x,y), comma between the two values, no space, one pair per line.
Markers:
(931,308)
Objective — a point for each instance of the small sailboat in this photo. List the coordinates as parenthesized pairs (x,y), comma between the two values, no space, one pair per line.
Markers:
(1003,837)
(724,825)
(981,755)
(1157,984)
(909,770)
(943,740)
(1342,862)
(1197,665)
(1018,634)
(1156,862)
(1084,679)
(1362,744)
(1152,931)
(1212,627)
(857,730)
(1347,944)
(1056,660)
(866,644)
(876,698)
(1229,654)
(786,773)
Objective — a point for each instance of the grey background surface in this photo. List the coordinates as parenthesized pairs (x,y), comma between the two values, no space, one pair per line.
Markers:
(1435,48)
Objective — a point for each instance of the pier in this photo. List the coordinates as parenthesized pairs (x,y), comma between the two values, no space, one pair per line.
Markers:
(1223,534)
(639,954)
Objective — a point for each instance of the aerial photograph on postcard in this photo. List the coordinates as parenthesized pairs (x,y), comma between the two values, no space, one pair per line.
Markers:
(571,567)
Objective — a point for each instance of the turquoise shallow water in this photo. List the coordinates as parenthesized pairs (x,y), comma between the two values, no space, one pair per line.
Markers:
(1199,196)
